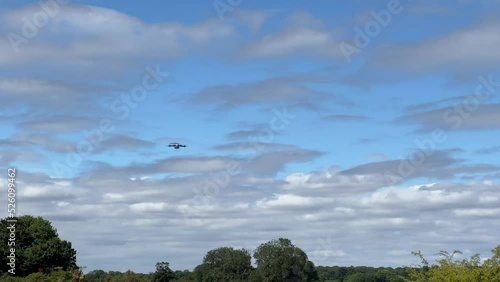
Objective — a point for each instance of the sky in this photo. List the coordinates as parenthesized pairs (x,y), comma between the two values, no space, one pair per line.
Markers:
(359,130)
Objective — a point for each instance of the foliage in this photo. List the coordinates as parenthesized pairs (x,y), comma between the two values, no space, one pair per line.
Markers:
(163,272)
(58,275)
(95,275)
(9,278)
(185,276)
(280,260)
(116,276)
(225,264)
(360,273)
(464,270)
(37,247)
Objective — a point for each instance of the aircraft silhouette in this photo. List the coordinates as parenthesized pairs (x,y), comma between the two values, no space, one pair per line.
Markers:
(176,145)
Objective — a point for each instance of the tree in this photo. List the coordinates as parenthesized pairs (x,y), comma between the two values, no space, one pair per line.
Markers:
(310,272)
(37,246)
(279,260)
(202,273)
(163,273)
(225,264)
(374,275)
(490,270)
(465,270)
(185,275)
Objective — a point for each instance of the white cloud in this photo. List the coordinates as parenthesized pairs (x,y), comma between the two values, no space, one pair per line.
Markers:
(478,212)
(406,215)
(53,190)
(148,207)
(290,200)
(301,40)
(101,35)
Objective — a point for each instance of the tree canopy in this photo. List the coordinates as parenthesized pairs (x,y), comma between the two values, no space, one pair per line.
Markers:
(225,264)
(163,273)
(37,246)
(448,269)
(280,260)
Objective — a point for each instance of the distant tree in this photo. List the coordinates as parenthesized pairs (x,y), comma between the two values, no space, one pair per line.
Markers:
(113,276)
(163,273)
(280,260)
(95,276)
(37,247)
(375,275)
(185,275)
(116,276)
(390,275)
(361,273)
(130,276)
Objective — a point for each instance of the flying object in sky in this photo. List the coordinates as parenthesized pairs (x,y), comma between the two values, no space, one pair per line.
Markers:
(176,145)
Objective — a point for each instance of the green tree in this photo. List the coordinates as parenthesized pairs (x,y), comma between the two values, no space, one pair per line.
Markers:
(280,260)
(185,275)
(491,266)
(37,247)
(465,270)
(310,272)
(6,277)
(163,273)
(226,264)
(255,276)
(375,275)
(202,273)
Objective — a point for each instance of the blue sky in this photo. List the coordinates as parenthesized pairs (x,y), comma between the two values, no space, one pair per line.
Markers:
(400,136)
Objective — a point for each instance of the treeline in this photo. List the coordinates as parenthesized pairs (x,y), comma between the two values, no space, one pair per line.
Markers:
(324,274)
(40,256)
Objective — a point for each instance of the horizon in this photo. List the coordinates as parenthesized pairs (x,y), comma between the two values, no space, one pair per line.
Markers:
(359,131)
